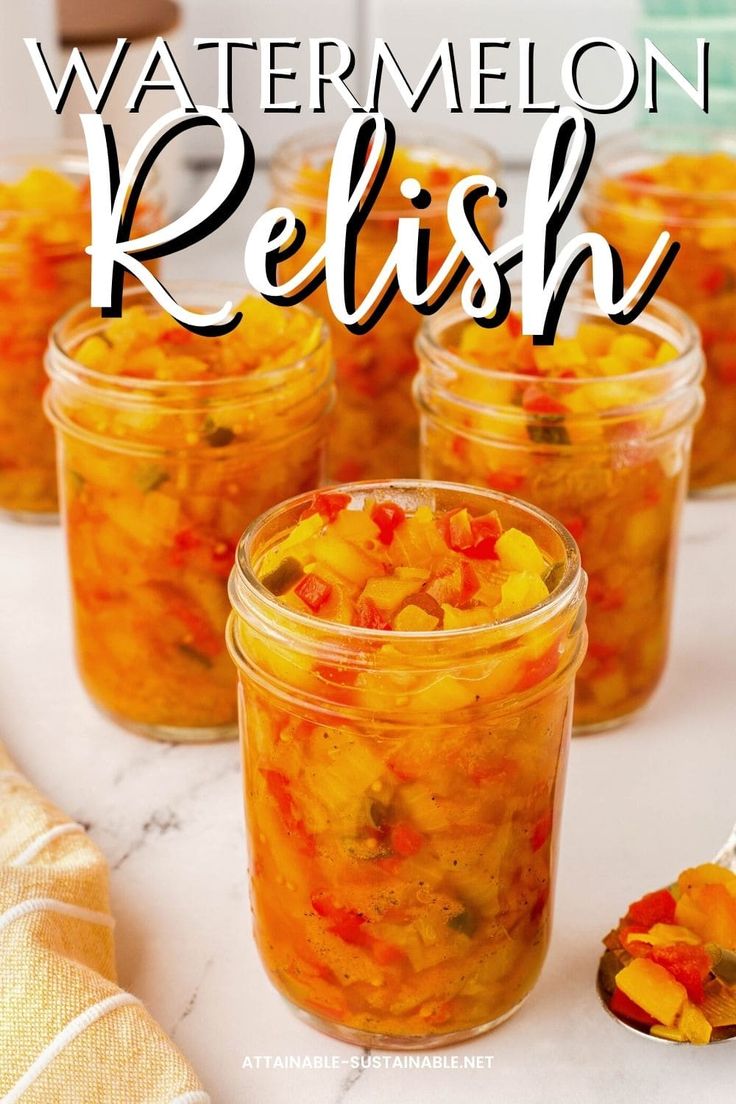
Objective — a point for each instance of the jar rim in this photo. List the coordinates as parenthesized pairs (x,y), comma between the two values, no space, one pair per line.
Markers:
(458,149)
(657,141)
(59,362)
(686,369)
(245,582)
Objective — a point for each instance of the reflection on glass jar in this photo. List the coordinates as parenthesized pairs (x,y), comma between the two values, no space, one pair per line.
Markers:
(44,229)
(683,181)
(596,429)
(376,430)
(403,788)
(168,444)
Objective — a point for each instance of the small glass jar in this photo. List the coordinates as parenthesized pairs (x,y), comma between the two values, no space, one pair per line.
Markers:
(376,431)
(613,472)
(43,272)
(633,193)
(462,734)
(158,479)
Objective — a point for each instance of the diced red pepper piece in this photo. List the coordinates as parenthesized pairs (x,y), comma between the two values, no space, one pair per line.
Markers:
(469,584)
(726,370)
(368,615)
(388,516)
(346,923)
(327,504)
(575,526)
(506,482)
(513,324)
(653,908)
(386,954)
(688,964)
(638,179)
(178,336)
(606,597)
(475,537)
(538,670)
(621,1005)
(458,446)
(627,936)
(201,635)
(459,530)
(714,280)
(541,831)
(186,539)
(486,531)
(313,591)
(536,401)
(406,840)
(439,177)
(279,787)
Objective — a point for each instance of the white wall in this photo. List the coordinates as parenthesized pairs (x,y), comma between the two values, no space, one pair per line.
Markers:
(413,29)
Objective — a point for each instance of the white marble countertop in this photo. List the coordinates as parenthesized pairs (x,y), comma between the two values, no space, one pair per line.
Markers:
(641,804)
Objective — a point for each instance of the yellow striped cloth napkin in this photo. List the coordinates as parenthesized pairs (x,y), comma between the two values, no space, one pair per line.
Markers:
(68,1034)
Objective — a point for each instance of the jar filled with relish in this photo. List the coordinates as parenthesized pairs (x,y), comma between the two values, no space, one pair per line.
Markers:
(44,270)
(596,429)
(168,444)
(406,654)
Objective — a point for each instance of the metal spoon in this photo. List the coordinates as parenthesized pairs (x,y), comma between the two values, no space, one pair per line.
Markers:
(724,966)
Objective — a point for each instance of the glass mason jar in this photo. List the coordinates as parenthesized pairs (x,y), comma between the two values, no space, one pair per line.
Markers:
(376,431)
(636,190)
(614,472)
(158,479)
(459,734)
(44,229)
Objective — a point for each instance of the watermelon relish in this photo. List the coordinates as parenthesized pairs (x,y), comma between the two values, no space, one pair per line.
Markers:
(670,966)
(595,429)
(402,777)
(170,443)
(376,568)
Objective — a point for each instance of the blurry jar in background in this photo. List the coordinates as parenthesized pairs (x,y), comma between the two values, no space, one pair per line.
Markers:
(596,429)
(376,428)
(44,229)
(169,444)
(683,181)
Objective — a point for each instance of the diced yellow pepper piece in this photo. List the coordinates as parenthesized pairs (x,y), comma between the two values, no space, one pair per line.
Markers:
(707,874)
(672,1033)
(594,338)
(414,619)
(520,592)
(443,695)
(693,1025)
(344,558)
(390,592)
(633,346)
(653,988)
(710,911)
(463,619)
(661,935)
(518,551)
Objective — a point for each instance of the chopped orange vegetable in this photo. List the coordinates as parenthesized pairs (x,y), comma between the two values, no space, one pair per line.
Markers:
(671,969)
(653,988)
(572,427)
